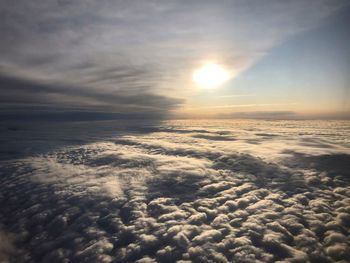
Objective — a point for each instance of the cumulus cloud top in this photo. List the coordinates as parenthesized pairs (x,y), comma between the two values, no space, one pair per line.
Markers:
(169,195)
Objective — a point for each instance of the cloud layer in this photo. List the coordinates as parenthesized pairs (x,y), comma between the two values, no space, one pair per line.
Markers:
(264,192)
(119,56)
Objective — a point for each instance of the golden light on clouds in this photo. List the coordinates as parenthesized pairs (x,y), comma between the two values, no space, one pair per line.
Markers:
(210,76)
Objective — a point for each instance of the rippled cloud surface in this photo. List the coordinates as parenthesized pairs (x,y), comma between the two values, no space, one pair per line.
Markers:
(178,191)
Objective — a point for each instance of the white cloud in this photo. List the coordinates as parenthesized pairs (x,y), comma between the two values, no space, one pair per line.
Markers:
(167,196)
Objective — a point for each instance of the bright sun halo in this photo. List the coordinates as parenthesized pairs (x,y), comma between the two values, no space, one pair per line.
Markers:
(210,76)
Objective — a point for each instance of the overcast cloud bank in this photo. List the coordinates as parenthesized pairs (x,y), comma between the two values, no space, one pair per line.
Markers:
(137,56)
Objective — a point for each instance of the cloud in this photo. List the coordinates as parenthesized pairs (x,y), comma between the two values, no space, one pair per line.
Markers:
(260,114)
(244,105)
(8,250)
(164,195)
(214,137)
(116,56)
(41,97)
(333,164)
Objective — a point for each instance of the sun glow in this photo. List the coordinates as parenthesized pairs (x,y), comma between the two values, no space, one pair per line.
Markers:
(210,76)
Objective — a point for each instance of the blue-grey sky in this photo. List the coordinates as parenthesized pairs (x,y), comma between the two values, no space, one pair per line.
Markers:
(137,57)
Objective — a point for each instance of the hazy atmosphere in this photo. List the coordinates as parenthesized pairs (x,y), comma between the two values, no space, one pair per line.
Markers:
(137,57)
(174,131)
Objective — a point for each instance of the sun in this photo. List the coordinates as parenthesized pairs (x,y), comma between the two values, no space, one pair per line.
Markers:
(210,76)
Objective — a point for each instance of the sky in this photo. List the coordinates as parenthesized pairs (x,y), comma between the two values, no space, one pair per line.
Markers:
(104,59)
